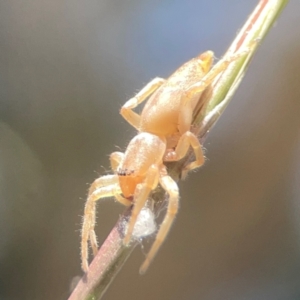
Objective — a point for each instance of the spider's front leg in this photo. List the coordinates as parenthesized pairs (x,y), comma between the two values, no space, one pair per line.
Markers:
(106,186)
(115,160)
(127,109)
(171,188)
(102,187)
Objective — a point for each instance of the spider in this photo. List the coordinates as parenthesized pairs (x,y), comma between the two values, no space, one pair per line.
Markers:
(164,134)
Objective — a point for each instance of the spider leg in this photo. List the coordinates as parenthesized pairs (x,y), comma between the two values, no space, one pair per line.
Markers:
(126,111)
(93,238)
(115,160)
(102,187)
(140,197)
(102,181)
(122,200)
(171,188)
(186,140)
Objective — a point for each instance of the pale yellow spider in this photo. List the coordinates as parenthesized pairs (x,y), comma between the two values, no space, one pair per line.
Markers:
(163,135)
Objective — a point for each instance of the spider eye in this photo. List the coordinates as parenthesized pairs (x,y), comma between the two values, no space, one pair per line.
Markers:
(125,172)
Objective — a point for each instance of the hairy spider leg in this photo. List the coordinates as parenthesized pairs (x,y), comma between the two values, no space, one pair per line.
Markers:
(109,188)
(115,160)
(105,186)
(170,186)
(185,141)
(126,111)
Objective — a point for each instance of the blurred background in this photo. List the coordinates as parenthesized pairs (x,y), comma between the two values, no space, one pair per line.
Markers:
(66,68)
